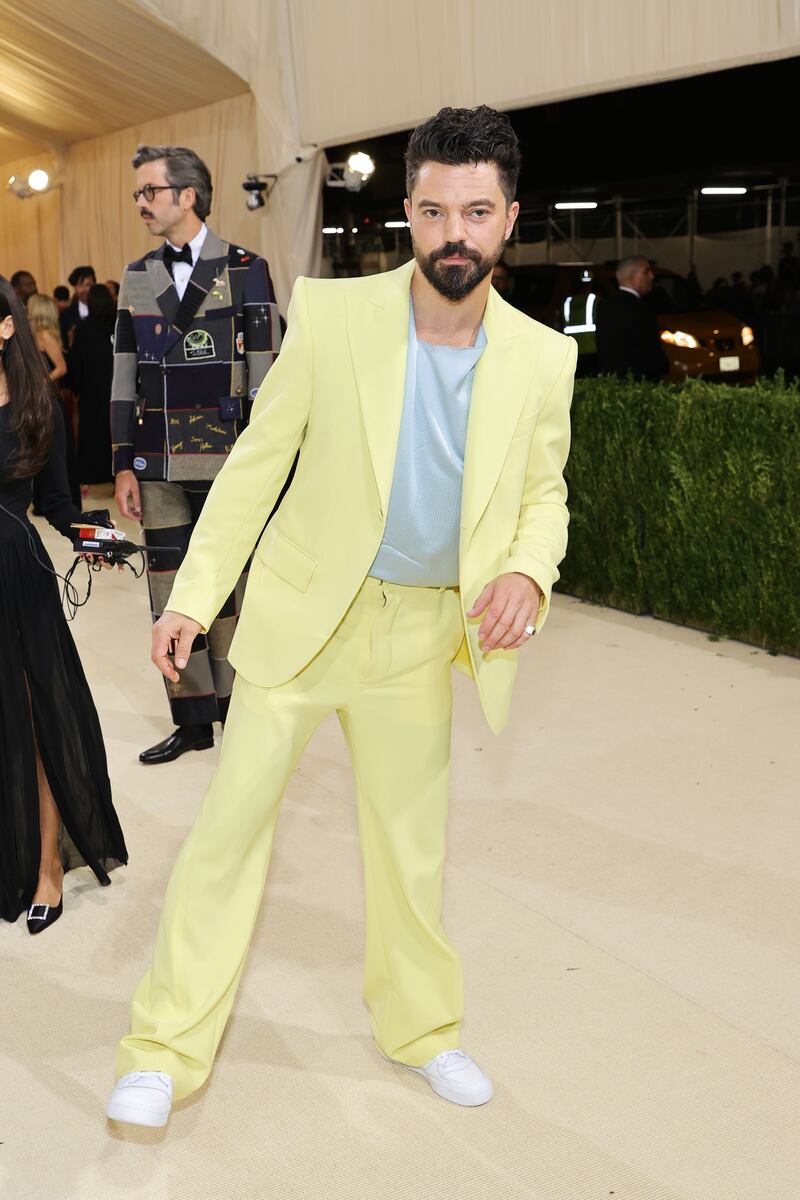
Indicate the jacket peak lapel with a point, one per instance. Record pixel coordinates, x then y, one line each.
162 285
377 329
213 256
501 384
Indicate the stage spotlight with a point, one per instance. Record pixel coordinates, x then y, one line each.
37 181
361 164
353 174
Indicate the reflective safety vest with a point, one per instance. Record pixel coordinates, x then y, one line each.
579 322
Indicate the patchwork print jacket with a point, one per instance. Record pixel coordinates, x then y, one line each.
185 371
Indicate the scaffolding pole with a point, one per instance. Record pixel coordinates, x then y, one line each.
691 221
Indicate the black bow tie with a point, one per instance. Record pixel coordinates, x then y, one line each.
171 255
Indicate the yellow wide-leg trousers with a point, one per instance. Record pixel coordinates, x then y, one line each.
386 672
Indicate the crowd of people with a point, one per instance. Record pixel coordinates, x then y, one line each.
767 290
769 301
74 330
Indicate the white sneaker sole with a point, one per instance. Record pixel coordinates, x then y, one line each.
439 1086
455 1095
133 1114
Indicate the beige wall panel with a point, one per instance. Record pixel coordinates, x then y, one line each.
30 230
13 146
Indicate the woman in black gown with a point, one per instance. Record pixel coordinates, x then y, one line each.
55 798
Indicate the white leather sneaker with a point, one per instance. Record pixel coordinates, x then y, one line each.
453 1075
141 1098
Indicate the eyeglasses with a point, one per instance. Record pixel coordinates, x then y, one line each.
149 191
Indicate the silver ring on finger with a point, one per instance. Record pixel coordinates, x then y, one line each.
530 630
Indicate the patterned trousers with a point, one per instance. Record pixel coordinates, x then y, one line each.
169 514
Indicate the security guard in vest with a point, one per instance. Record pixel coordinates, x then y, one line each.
197 331
580 322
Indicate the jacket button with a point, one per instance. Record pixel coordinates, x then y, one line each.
239 391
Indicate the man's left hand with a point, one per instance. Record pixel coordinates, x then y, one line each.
510 602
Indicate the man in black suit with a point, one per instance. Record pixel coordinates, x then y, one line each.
82 280
628 339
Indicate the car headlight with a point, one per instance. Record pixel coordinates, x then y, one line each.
678 337
748 337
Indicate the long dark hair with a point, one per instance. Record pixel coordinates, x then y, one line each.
29 398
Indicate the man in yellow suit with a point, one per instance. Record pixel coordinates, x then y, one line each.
423 527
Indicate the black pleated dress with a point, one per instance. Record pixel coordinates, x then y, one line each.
38 655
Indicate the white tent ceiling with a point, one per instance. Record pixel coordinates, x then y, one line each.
77 69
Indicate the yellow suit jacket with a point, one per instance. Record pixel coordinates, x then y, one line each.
336 394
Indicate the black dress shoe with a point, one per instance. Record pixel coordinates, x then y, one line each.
42 915
185 737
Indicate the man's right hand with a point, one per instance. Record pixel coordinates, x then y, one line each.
173 633
128 496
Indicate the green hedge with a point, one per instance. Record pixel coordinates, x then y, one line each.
685 504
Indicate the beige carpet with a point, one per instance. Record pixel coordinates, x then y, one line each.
622 881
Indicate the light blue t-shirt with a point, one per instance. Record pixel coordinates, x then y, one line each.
420 541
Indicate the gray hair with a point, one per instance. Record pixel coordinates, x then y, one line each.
184 169
626 266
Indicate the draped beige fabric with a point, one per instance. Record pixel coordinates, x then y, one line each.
368 67
255 38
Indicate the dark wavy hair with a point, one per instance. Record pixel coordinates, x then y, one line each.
30 401
80 273
455 136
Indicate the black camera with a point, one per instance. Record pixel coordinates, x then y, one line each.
255 189
98 538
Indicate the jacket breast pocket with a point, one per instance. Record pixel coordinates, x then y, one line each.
285 559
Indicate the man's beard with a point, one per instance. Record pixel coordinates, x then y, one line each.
453 281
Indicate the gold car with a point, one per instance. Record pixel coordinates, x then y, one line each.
711 343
